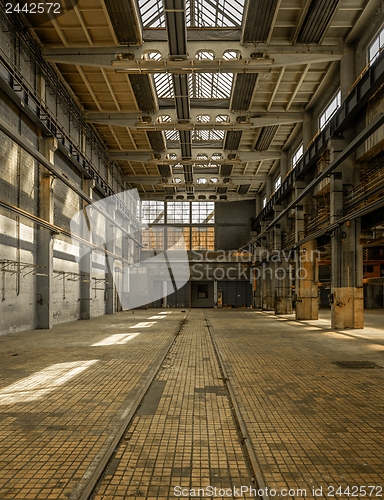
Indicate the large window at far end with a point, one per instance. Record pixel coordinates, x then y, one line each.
330 110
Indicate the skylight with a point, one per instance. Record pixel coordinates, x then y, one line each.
210 85
172 135
218 14
207 135
163 85
199 13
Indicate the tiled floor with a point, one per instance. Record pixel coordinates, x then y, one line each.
64 394
312 423
63 398
184 436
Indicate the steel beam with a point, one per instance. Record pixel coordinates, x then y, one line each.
148 157
237 121
135 59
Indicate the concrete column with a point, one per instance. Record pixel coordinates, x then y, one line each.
44 257
85 266
110 229
126 254
307 130
282 274
268 187
306 279
165 294
347 307
347 71
283 164
258 204
268 270
306 265
215 293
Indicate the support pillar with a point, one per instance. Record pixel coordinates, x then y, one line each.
347 293
126 254
306 265
165 294
347 71
282 271
110 306
44 257
307 302
283 164
85 266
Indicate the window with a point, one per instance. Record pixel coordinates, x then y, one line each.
297 155
264 201
153 238
278 182
175 237
152 212
203 238
203 212
207 135
376 46
177 212
330 110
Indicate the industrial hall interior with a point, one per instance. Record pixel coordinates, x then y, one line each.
191 249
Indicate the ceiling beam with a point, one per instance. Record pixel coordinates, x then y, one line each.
148 157
152 180
130 59
237 121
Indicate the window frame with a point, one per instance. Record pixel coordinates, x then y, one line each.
336 97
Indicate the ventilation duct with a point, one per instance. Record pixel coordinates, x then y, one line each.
316 21
185 144
232 140
188 177
176 28
142 88
226 170
181 92
190 190
266 137
169 190
221 190
156 140
258 20
243 91
125 21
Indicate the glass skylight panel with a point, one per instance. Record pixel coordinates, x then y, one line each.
208 135
214 14
210 85
163 85
152 13
199 13
172 135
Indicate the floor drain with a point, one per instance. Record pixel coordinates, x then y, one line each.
357 365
